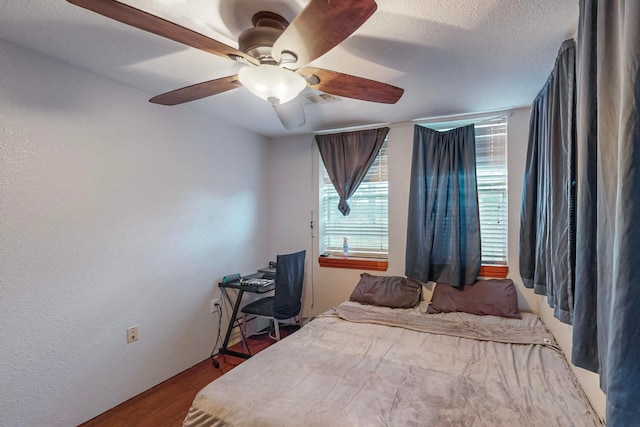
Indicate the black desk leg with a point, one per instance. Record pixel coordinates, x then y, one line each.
232 320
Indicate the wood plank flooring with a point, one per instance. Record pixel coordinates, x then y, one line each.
167 403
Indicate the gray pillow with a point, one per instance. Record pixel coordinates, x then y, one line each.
496 297
387 291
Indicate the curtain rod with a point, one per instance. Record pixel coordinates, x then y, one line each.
436 119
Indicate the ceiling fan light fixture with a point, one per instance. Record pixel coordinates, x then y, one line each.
272 83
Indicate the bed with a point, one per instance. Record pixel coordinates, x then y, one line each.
367 365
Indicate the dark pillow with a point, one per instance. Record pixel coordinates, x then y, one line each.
496 297
387 291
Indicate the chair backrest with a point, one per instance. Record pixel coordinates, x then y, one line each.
289 280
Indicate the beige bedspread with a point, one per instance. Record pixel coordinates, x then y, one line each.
370 366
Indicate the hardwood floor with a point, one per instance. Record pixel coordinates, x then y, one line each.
167 403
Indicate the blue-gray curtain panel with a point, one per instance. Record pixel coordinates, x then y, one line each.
347 157
547 230
606 333
443 230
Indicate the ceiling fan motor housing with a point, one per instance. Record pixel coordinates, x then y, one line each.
257 41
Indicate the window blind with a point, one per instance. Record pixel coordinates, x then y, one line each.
491 170
366 227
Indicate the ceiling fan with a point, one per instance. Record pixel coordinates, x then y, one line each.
274 53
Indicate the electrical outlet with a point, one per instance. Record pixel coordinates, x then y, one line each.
132 334
214 303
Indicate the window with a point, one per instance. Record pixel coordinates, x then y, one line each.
491 170
366 226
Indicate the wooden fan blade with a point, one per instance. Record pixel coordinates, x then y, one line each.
352 87
197 91
319 27
291 113
145 21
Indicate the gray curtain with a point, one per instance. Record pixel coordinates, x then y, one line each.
347 157
547 230
606 333
443 230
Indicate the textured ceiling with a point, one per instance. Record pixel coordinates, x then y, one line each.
451 57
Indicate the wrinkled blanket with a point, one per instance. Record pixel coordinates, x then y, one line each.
498 332
364 366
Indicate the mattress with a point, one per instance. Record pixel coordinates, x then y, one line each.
359 365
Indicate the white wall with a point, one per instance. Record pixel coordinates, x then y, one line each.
297 185
113 212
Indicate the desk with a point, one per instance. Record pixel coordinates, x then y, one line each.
236 306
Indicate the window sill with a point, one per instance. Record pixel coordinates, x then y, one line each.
494 271
354 263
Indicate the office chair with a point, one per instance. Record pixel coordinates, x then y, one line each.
285 303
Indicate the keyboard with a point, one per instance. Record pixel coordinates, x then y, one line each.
257 282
